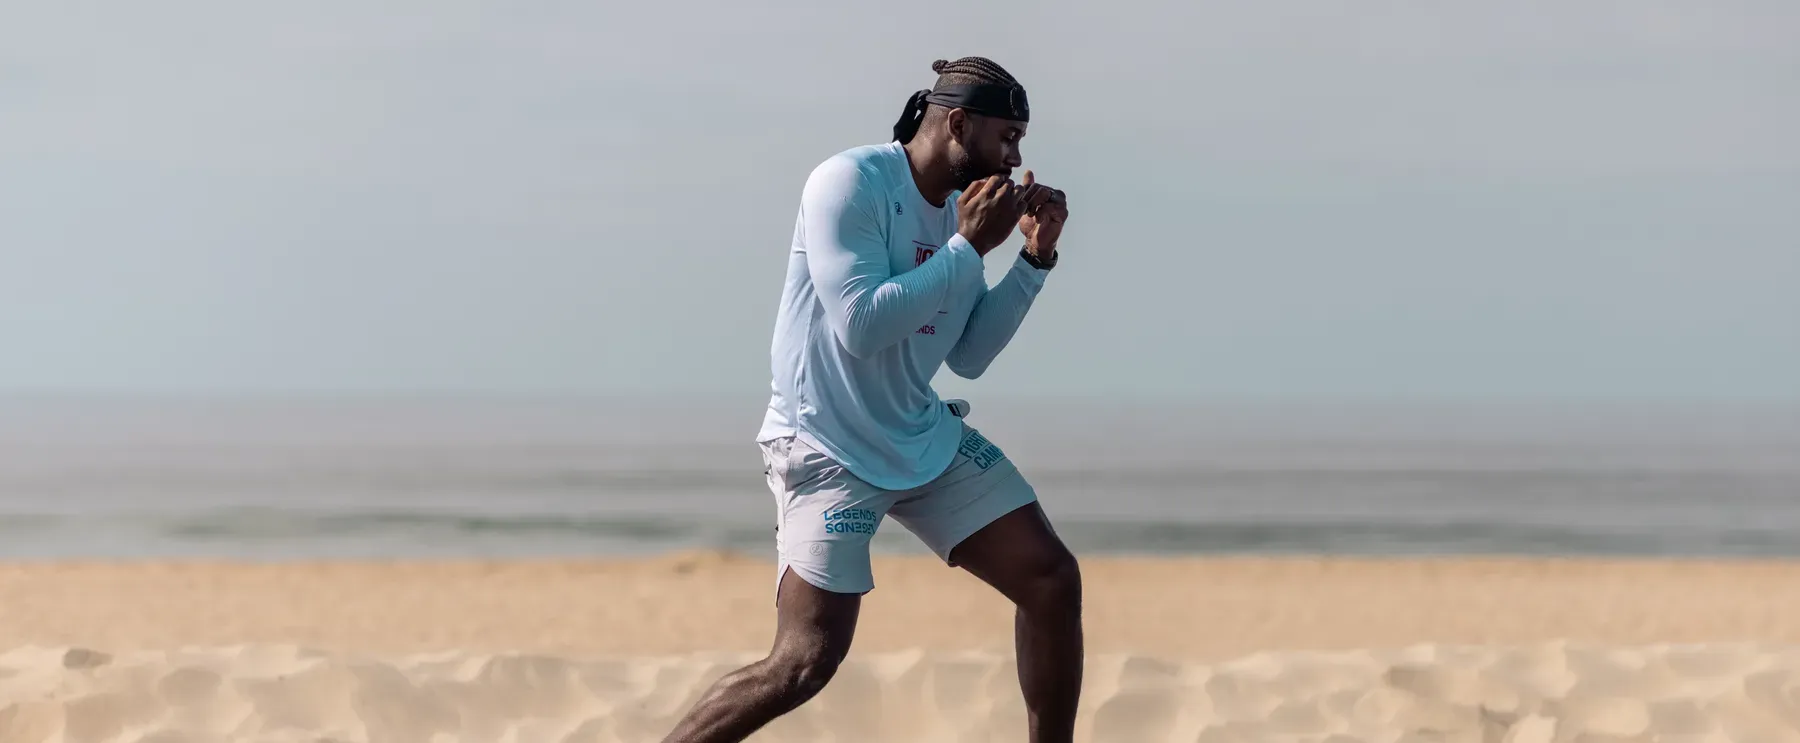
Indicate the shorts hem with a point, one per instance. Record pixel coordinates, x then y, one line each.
817 579
986 509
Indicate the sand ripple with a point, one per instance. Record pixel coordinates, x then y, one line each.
1553 693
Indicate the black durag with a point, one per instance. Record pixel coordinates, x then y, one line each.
999 101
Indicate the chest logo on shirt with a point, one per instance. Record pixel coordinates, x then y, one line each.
897 209
922 252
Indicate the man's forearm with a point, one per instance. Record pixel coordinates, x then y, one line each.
995 319
870 314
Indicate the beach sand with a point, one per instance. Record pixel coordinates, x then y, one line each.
1204 649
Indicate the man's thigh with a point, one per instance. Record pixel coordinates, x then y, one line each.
981 485
825 518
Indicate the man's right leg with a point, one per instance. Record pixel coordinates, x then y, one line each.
827 516
812 635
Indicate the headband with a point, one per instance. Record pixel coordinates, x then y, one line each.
998 101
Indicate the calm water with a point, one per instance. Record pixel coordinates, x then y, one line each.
371 479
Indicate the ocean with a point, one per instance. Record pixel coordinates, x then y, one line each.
375 478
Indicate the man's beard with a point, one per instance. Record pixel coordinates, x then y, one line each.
965 171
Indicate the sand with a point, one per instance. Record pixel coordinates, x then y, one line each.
1501 650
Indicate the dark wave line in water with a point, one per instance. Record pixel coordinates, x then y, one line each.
393 481
273 524
12 523
255 528
466 477
1415 538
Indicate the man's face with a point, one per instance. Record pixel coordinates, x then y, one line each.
985 146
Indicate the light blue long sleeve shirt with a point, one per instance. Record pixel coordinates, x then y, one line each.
880 293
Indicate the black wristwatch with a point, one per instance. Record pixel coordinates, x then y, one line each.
1037 264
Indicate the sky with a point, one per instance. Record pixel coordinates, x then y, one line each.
1283 200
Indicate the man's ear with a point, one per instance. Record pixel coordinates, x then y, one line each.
957 124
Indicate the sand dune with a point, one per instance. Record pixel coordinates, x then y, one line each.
1205 649
1541 693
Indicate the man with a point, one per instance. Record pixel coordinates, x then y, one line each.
884 284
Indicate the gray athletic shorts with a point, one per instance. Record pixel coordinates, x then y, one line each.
826 516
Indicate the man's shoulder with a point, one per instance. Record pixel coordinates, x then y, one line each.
881 155
861 167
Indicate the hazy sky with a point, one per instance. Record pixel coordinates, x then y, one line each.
1300 200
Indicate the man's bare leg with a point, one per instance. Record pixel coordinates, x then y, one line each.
812 636
1019 555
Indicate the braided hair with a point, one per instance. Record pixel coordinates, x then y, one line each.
968 70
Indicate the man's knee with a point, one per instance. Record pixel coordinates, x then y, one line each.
802 672
1053 583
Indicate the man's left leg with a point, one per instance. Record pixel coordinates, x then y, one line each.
1020 556
982 515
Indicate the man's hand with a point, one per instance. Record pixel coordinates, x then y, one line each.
987 212
1041 221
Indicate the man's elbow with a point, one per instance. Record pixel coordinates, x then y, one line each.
859 344
856 346
966 368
